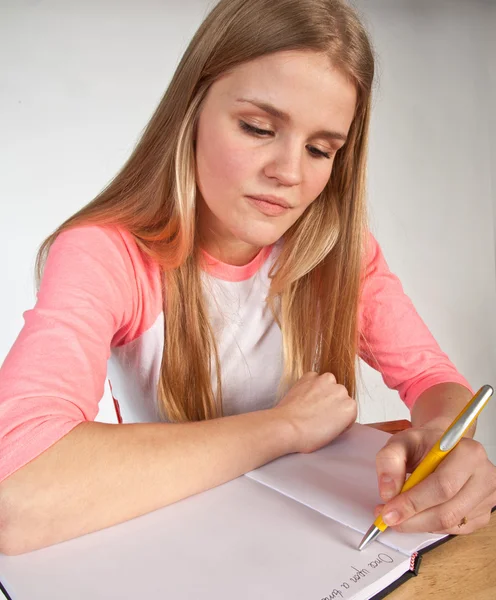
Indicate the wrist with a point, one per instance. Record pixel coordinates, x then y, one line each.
441 424
285 429
439 405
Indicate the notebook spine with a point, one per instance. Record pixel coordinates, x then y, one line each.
415 559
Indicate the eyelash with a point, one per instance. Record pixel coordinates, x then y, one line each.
262 132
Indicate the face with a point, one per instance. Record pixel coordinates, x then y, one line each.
270 127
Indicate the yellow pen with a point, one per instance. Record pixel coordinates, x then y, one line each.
437 453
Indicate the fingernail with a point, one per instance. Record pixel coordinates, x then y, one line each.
387 487
391 518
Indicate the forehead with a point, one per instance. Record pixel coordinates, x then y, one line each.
302 83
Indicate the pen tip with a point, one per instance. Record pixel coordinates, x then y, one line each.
370 536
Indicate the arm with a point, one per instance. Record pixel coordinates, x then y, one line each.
63 475
394 339
457 498
397 343
100 474
438 406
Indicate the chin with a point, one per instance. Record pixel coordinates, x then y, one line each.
259 233
260 238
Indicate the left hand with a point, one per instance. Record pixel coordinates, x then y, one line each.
456 498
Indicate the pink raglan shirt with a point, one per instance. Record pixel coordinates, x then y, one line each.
99 316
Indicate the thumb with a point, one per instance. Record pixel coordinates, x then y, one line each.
402 451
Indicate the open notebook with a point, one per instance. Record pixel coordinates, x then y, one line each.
286 531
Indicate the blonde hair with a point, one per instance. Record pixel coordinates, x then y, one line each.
315 281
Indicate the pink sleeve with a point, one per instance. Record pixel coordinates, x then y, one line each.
54 375
395 341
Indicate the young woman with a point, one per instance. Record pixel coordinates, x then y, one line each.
225 283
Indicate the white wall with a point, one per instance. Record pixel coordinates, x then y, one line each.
491 66
430 179
80 80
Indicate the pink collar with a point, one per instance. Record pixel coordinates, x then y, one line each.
227 272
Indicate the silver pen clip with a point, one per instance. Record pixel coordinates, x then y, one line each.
470 413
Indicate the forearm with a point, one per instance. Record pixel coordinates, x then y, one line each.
439 405
99 474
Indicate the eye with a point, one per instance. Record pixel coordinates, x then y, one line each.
256 130
315 152
318 153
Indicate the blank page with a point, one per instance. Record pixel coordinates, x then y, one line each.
340 482
241 540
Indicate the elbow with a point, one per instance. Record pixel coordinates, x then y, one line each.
13 544
13 549
10 548
14 540
7 541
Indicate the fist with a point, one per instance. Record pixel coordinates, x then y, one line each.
319 409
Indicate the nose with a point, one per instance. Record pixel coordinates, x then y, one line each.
285 164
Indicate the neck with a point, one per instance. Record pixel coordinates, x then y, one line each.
236 253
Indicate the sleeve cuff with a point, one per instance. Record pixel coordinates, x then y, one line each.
420 387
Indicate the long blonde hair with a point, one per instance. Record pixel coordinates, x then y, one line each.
315 281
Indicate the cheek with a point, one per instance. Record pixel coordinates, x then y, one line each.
222 163
316 181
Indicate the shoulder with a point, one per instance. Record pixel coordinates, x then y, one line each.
372 254
107 260
111 244
98 240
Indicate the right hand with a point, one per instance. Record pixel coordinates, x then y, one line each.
319 409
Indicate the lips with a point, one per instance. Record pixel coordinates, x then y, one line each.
270 209
272 200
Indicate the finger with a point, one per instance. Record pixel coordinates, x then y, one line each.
480 511
453 517
472 525
437 489
378 510
441 486
402 450
472 522
465 524
480 515
307 377
328 377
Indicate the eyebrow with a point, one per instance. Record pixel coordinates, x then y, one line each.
283 116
